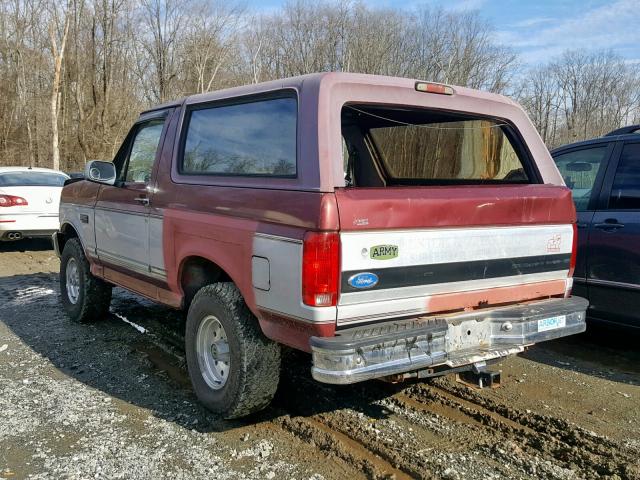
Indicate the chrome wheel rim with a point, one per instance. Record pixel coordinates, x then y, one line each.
73 281
212 349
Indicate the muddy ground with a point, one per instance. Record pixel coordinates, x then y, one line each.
112 400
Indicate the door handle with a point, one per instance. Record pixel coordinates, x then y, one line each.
142 200
609 224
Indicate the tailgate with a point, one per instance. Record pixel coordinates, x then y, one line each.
415 250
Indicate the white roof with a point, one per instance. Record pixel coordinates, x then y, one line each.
28 169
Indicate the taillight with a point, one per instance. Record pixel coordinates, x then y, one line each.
574 251
12 201
320 269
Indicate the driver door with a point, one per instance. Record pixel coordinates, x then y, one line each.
122 210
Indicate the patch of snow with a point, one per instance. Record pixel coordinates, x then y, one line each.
140 328
27 295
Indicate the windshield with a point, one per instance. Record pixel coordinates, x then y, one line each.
32 179
404 146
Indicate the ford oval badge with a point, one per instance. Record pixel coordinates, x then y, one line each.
363 280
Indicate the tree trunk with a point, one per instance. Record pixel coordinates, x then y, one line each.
58 56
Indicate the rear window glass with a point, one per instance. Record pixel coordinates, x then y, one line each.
419 146
31 179
254 138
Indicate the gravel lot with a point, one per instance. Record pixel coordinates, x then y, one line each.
112 400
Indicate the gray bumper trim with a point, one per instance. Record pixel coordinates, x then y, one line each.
362 353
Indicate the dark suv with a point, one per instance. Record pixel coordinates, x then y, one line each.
604 175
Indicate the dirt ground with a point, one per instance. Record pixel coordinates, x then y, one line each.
112 400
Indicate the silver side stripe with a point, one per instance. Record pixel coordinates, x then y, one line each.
132 265
120 210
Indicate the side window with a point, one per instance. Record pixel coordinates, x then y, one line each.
625 192
579 169
253 138
143 152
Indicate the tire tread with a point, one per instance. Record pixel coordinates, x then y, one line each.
260 366
96 295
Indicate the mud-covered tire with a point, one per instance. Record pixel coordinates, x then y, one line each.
92 295
254 360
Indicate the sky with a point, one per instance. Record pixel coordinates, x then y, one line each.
541 29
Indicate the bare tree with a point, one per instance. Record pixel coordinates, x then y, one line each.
432 44
161 24
540 96
58 32
581 95
208 44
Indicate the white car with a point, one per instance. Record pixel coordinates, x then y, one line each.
29 202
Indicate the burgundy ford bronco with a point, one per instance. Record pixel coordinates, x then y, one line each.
393 228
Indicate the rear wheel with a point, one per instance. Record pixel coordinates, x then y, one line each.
233 367
85 298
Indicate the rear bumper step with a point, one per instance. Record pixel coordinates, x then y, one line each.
391 348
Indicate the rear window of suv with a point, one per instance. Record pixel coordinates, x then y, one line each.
411 146
31 179
253 138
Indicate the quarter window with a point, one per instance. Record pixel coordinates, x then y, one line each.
253 138
579 169
625 192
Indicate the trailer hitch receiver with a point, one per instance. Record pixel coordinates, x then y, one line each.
479 377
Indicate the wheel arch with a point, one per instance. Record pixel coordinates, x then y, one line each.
196 271
67 232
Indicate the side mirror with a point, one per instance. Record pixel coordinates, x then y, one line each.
101 172
579 167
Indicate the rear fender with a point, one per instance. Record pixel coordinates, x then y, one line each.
221 240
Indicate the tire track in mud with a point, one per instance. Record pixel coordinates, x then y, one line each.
370 439
340 421
567 445
332 442
420 443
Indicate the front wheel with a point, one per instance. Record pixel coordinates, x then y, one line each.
233 367
85 298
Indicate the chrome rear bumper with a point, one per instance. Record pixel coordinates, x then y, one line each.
391 348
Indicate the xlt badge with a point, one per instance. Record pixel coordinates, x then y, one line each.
383 252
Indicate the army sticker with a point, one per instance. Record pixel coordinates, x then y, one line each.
383 252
